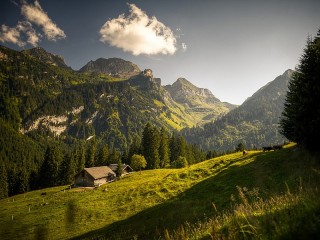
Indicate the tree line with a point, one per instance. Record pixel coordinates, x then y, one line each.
27 165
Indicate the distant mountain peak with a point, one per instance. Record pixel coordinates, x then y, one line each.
183 90
113 66
44 56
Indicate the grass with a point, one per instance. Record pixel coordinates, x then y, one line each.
229 197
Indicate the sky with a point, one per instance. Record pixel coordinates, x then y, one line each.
230 47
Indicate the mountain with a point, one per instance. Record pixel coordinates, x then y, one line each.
254 123
185 92
43 105
199 102
49 58
112 66
40 98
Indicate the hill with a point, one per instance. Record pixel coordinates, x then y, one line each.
259 195
255 123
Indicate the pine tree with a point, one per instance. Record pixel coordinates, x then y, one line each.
91 154
173 145
114 156
4 186
68 168
81 157
49 173
150 146
300 121
119 169
135 148
164 151
103 156
181 147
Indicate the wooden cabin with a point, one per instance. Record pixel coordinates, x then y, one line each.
126 169
94 176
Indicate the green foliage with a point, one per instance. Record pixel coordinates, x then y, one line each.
138 162
4 188
164 151
255 122
68 168
240 147
103 156
91 154
150 146
119 168
300 119
181 162
21 157
50 169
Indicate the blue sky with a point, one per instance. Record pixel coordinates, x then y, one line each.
230 47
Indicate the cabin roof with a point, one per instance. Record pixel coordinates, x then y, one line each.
99 172
114 167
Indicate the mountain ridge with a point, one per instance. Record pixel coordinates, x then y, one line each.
254 123
58 91
116 67
42 55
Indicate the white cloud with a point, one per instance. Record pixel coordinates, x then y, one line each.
24 32
33 36
138 34
16 34
35 14
11 35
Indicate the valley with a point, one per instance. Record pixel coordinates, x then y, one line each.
158 203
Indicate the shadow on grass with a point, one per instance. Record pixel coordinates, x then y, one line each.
271 172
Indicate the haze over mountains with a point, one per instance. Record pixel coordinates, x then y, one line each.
113 100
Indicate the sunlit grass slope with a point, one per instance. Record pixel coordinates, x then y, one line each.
212 198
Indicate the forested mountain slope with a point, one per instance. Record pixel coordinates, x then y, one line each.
255 123
199 102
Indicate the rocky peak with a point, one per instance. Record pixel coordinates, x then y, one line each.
113 66
147 73
46 57
184 91
145 80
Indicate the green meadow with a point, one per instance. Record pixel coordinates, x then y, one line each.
262 195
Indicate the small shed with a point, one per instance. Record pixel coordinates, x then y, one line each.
94 176
126 169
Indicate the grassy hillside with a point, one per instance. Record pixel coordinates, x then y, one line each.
233 196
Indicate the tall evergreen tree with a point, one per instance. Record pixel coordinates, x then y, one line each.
91 154
119 169
114 156
81 157
150 146
135 148
300 120
49 173
23 179
164 151
68 168
181 147
103 156
4 186
173 145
